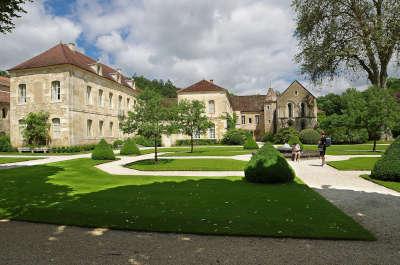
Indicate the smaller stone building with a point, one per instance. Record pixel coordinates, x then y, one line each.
4 105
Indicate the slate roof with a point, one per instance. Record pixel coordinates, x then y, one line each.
62 54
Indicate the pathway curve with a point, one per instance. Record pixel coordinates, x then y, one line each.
42 161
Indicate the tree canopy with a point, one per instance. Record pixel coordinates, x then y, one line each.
338 36
37 128
10 9
165 88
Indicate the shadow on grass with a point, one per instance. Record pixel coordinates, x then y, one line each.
202 206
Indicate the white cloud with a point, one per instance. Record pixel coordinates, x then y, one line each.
35 32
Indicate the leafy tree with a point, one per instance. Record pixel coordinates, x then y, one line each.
191 118
37 128
165 88
337 36
231 121
330 104
10 9
4 73
149 118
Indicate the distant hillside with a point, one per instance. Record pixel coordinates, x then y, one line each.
165 88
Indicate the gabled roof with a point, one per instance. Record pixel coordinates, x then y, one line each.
203 86
5 81
62 54
253 103
297 82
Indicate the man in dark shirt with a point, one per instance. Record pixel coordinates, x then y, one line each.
322 148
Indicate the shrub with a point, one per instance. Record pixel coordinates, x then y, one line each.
343 135
268 137
235 137
268 166
144 141
103 151
250 144
309 136
72 149
295 140
5 144
388 167
284 135
129 148
186 142
117 143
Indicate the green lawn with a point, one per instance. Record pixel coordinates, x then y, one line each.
76 193
355 163
388 184
6 160
354 149
189 165
202 151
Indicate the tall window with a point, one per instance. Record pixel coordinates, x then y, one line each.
89 128
4 113
101 123
22 93
110 100
55 91
243 119
111 128
257 119
88 95
101 101
250 121
56 127
211 107
290 110
303 109
212 132
119 102
128 103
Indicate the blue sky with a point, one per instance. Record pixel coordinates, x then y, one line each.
244 45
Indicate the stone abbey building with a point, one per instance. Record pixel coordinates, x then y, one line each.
83 97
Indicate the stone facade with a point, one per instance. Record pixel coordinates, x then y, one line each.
4 105
86 108
260 114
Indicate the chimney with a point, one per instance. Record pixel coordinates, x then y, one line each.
211 80
72 46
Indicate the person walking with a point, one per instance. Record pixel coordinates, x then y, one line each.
322 148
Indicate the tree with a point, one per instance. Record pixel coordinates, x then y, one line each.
4 73
335 36
231 121
149 118
330 104
10 9
37 128
191 118
165 88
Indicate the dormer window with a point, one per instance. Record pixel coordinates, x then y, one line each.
97 68
116 76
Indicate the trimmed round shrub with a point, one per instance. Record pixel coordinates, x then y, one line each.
295 140
5 144
235 137
268 137
268 166
129 148
283 135
117 143
388 167
309 136
103 151
250 144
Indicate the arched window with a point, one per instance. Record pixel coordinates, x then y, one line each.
211 132
101 125
290 110
56 127
101 101
88 95
89 131
4 113
211 107
55 91
303 109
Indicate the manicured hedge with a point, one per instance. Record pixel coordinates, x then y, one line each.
235 137
268 166
117 143
5 144
295 140
73 149
310 136
103 151
268 137
250 144
129 148
283 135
388 167
144 141
186 142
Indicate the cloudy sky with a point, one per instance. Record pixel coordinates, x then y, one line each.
244 45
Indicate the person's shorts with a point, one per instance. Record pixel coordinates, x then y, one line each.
321 153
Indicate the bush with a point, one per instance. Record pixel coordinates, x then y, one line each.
144 141
309 136
250 144
343 135
295 140
268 166
117 143
186 142
388 167
284 135
73 149
129 148
268 137
5 144
235 137
103 151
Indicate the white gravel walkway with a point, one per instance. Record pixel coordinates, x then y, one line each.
42 161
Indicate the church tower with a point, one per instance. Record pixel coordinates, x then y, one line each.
270 111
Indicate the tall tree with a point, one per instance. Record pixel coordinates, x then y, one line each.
191 119
339 35
37 128
165 88
10 9
149 118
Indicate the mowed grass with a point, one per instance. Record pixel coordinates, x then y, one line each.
388 184
6 160
355 163
76 193
189 165
353 149
201 151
